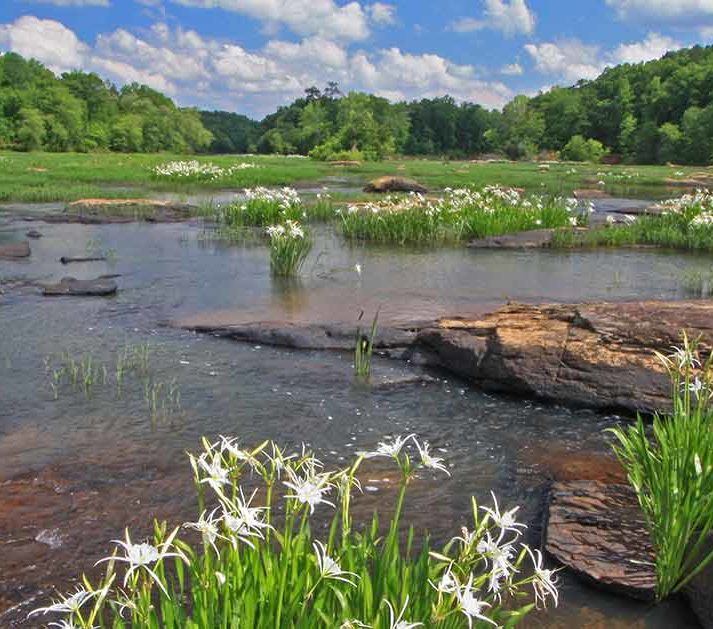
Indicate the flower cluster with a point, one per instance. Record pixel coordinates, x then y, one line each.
196 171
289 229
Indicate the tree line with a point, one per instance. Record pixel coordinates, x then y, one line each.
655 112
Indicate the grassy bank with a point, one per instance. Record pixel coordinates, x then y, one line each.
38 177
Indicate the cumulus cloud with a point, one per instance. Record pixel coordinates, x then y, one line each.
511 17
381 13
512 69
664 11
207 72
571 60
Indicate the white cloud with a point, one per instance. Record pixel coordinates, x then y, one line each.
222 74
571 60
45 40
664 11
512 69
304 17
509 17
381 13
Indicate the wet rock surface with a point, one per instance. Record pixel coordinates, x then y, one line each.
598 356
532 239
106 211
598 531
15 250
395 184
99 287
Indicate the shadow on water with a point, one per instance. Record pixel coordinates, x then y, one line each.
74 471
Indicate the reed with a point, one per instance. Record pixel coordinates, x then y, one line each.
364 348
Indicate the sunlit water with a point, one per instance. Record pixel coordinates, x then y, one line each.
74 471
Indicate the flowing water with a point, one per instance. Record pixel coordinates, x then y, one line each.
74 471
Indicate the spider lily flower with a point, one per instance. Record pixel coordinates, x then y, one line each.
685 358
354 624
244 521
329 568
207 526
505 521
471 606
143 556
429 461
310 489
243 456
216 475
70 604
544 581
499 556
277 460
66 624
447 583
398 622
392 449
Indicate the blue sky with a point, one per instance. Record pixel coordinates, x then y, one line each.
252 55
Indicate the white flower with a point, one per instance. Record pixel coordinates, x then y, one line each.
505 521
545 582
328 567
697 386
310 489
499 556
357 268
70 604
447 583
64 624
244 521
142 556
216 474
398 622
428 461
220 578
392 449
685 358
207 526
354 624
471 606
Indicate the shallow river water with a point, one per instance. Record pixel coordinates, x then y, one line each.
75 470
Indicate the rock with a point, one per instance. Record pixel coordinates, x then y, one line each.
125 210
15 250
98 287
533 239
33 233
557 464
699 593
395 184
598 531
593 355
70 259
590 193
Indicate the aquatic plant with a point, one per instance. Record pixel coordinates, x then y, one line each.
461 213
251 569
671 470
261 207
195 171
364 348
289 247
697 282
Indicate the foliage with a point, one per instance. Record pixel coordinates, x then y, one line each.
232 133
289 248
579 149
261 207
672 471
460 214
255 571
364 348
683 223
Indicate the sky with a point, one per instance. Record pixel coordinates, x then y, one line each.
250 56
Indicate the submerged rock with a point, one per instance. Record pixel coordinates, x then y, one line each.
532 239
99 287
71 259
33 233
15 250
395 184
93 211
598 531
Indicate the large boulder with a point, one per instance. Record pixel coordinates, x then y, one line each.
99 287
395 184
593 355
598 531
14 250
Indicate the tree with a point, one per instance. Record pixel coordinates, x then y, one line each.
31 129
579 149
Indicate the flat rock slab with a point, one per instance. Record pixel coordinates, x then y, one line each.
99 287
598 531
395 184
532 239
94 211
15 250
591 355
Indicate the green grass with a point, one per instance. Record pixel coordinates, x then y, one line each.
460 215
250 568
43 177
671 471
289 247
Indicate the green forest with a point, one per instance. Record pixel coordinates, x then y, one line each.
648 113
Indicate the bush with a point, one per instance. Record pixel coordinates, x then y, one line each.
579 149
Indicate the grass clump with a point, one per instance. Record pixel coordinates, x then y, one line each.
251 569
671 470
684 223
698 283
289 247
460 214
261 207
364 348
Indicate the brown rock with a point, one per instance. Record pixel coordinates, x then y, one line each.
591 193
558 464
593 355
124 210
15 250
598 531
99 287
395 184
